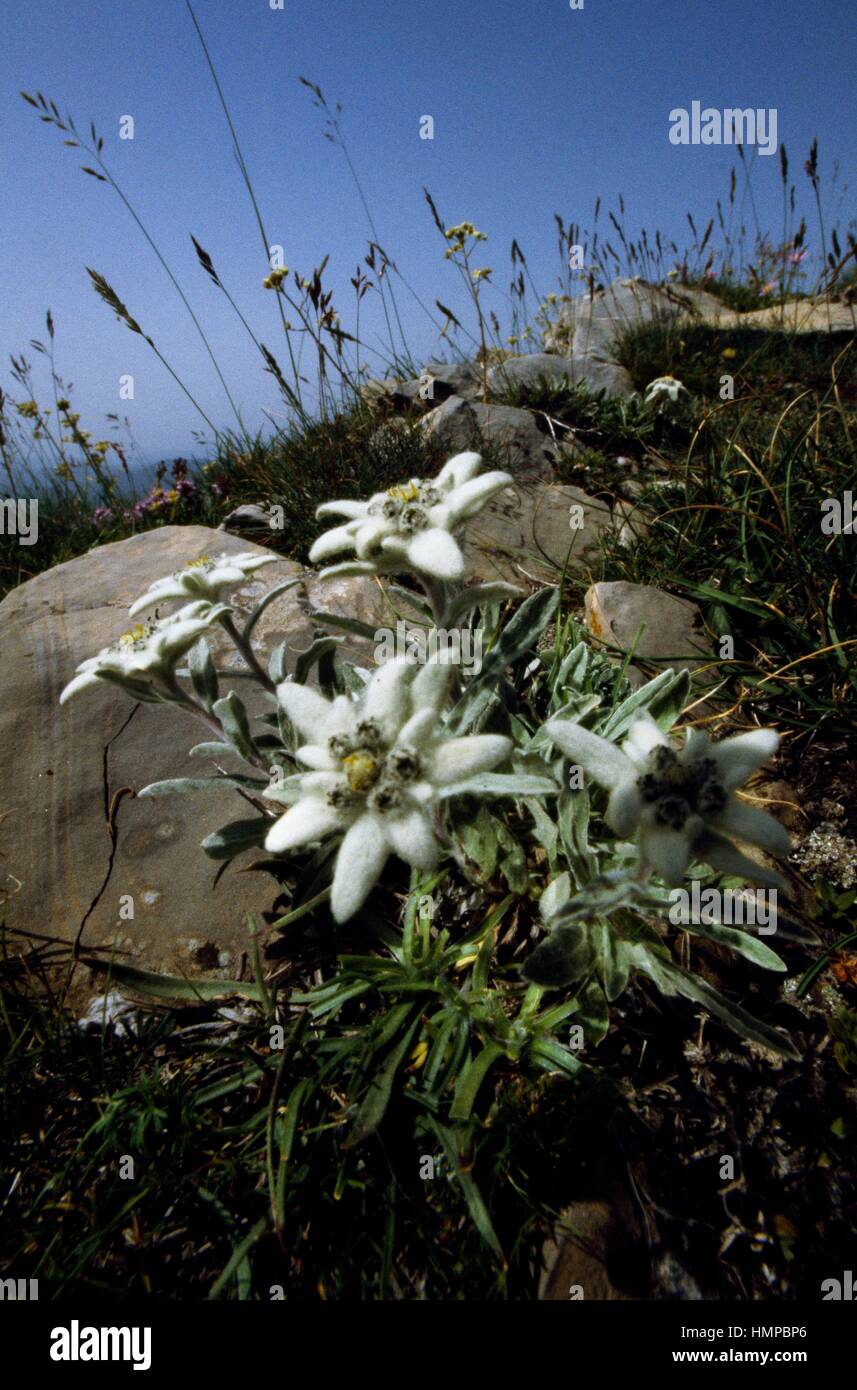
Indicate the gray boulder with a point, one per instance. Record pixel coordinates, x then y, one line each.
76 842
521 447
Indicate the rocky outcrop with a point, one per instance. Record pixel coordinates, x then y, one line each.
589 326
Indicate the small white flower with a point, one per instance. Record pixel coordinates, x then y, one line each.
414 525
378 766
147 652
665 386
209 578
680 805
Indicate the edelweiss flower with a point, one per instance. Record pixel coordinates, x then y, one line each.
412 526
209 578
147 652
379 765
680 805
665 386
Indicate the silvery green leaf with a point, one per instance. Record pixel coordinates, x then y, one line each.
525 761
160 986
577 707
552 1056
354 678
522 631
501 784
277 664
233 716
600 896
210 750
202 674
475 596
413 599
201 784
263 604
478 838
573 816
556 893
314 653
546 830
518 636
512 860
613 959
574 666
561 959
285 792
672 980
138 690
331 674
744 943
239 835
669 702
664 697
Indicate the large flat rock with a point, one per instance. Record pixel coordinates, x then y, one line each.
74 768
528 534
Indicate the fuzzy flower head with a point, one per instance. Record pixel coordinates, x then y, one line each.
680 805
146 652
378 767
413 525
209 578
665 386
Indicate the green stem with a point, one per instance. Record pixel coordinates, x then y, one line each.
248 654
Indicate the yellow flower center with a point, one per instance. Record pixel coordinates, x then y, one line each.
134 635
197 564
361 771
405 492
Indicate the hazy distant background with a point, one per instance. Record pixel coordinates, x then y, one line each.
537 108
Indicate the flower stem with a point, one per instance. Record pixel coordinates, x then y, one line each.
248 654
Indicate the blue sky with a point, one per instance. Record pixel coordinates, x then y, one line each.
537 109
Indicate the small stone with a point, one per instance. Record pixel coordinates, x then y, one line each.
248 519
672 635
